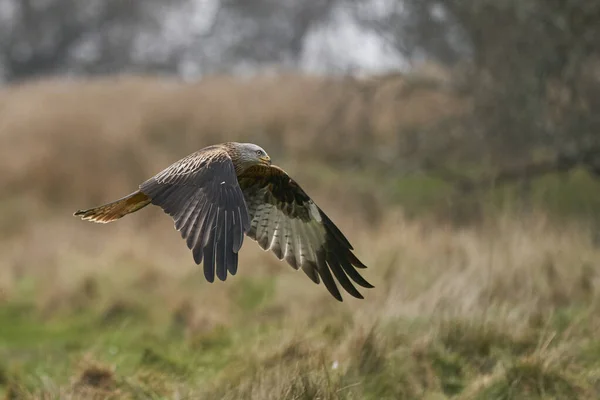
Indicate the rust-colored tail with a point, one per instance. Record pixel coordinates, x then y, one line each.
115 210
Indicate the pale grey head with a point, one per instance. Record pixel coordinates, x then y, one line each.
250 154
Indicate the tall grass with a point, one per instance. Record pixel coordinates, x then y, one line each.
503 309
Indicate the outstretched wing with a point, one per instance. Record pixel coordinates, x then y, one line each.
201 193
287 222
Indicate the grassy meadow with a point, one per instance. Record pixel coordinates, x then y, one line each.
506 306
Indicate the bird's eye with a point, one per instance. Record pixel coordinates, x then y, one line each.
260 153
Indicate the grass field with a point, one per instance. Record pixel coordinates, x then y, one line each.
504 308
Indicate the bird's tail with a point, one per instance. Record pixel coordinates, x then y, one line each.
115 210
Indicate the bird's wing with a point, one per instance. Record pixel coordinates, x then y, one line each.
285 220
202 195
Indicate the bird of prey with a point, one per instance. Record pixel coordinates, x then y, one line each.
219 193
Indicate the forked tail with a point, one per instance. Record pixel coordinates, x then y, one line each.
115 210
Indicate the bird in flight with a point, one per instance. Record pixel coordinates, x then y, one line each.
219 193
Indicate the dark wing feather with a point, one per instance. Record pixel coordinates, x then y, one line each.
287 222
202 195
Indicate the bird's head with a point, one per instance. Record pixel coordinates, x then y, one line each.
251 154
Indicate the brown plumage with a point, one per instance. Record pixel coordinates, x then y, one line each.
218 194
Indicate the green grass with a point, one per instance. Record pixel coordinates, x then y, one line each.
572 195
40 352
113 335
81 354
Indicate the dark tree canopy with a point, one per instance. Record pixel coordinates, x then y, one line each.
74 37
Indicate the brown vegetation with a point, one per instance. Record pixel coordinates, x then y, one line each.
505 309
127 128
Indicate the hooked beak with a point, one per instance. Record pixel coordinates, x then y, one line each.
266 160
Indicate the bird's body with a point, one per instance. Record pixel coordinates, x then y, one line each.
219 193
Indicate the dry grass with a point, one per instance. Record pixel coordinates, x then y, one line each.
507 309
127 128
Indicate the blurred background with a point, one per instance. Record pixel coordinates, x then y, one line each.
455 142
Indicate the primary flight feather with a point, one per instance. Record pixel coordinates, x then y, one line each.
223 192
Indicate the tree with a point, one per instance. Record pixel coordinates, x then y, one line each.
52 37
531 67
69 36
260 32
